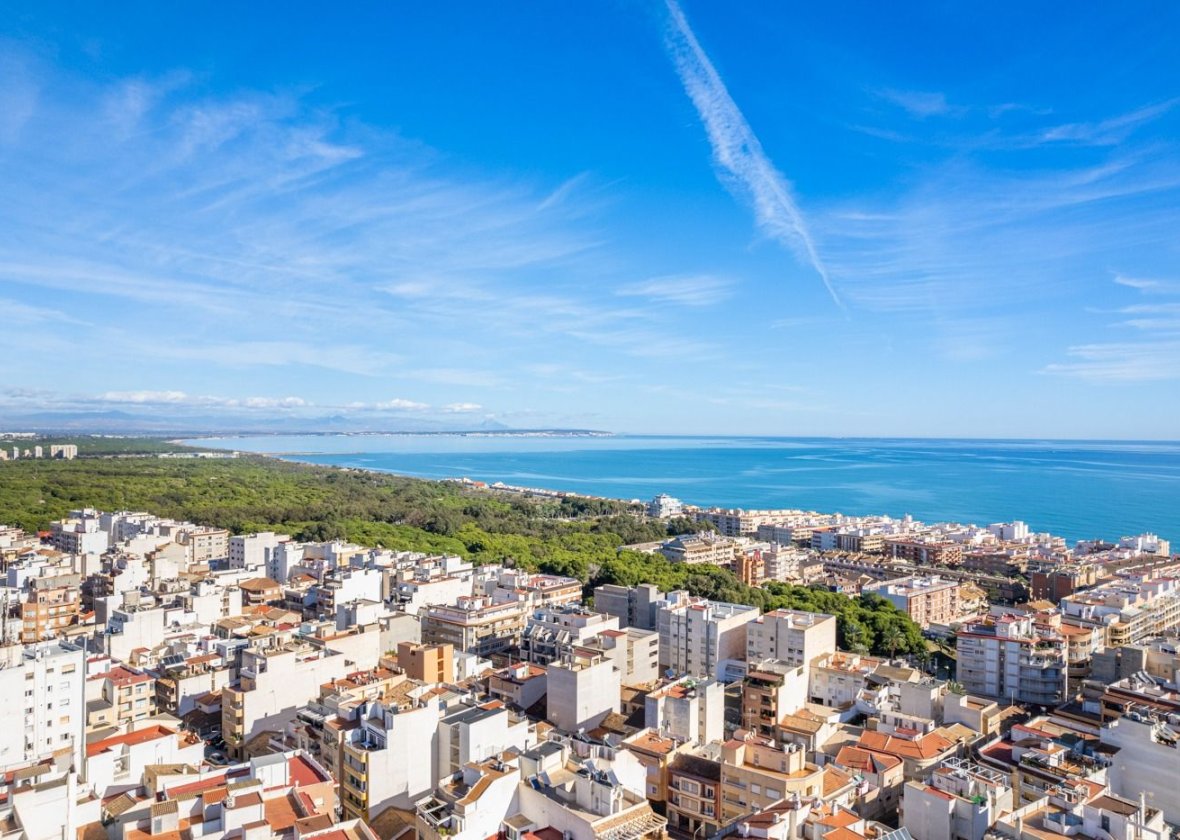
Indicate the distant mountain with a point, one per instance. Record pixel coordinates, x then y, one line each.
121 422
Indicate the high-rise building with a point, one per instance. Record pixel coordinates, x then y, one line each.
699 637
791 636
1011 658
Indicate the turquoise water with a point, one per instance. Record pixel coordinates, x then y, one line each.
1078 489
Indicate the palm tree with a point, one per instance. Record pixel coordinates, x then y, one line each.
892 639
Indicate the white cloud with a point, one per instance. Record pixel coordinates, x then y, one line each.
1116 362
1148 286
461 408
921 104
1108 132
145 397
401 405
704 290
737 150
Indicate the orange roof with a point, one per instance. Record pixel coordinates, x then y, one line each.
122 676
843 834
864 760
280 813
303 772
925 747
840 819
139 736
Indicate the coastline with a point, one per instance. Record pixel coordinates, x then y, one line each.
1114 528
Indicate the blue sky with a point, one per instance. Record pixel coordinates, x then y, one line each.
753 218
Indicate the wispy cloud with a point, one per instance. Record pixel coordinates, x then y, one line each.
1115 362
1153 286
705 290
736 149
920 103
1154 352
165 400
1110 131
255 233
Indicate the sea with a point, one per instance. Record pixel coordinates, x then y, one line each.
1075 489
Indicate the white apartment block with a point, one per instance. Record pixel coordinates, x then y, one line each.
253 551
473 733
389 759
1132 611
635 652
790 636
582 691
960 801
550 632
701 638
44 693
80 533
688 710
742 523
1010 658
707 549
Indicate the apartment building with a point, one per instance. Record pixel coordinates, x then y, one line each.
634 606
924 552
635 652
272 684
694 795
520 685
119 760
791 636
1159 657
687 709
550 632
582 690
1011 658
80 533
959 801
700 549
926 600
472 805
471 733
53 604
702 638
44 690
1131 610
531 590
427 663
581 800
204 544
475 624
770 690
837 679
126 695
253 551
742 523
663 506
388 758
757 773
1148 750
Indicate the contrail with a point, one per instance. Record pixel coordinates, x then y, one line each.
736 149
